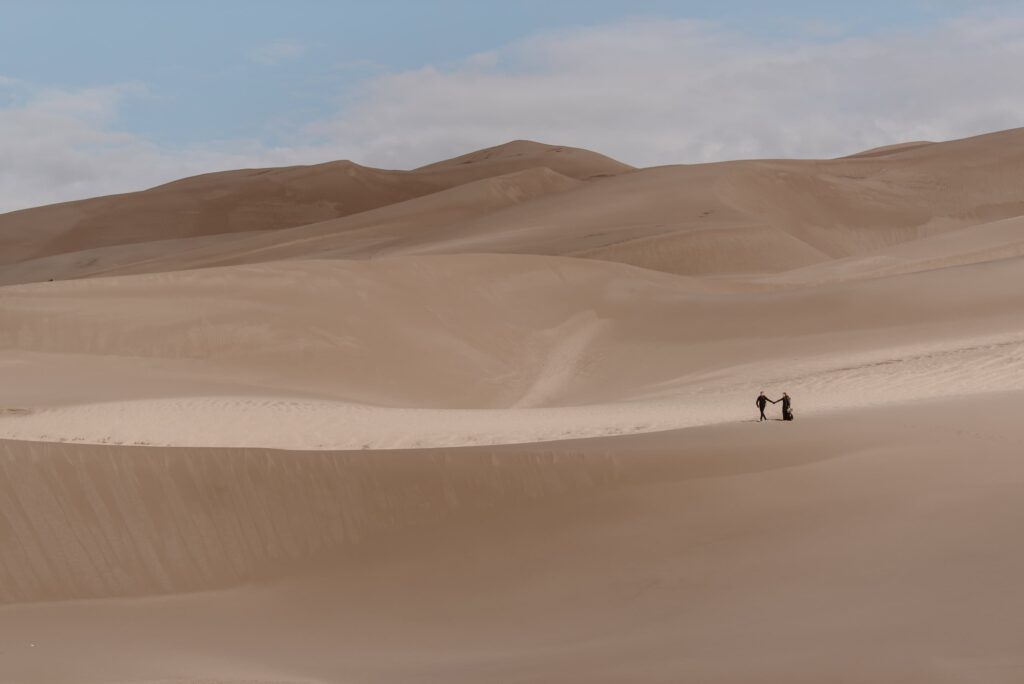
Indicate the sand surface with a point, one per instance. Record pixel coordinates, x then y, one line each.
491 420
870 546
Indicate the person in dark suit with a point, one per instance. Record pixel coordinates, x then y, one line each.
760 403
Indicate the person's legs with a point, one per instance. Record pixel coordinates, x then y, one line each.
763 417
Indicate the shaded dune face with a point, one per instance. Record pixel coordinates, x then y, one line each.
368 233
233 201
79 521
265 199
82 521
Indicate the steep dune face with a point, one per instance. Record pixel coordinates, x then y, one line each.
80 521
743 553
265 199
92 521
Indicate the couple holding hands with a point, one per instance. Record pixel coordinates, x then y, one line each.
787 405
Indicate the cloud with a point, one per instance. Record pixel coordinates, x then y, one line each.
60 144
278 52
654 92
647 92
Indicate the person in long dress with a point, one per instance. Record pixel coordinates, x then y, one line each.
787 406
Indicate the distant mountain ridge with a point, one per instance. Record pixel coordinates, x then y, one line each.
264 199
739 218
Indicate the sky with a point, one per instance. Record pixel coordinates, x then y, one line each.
111 96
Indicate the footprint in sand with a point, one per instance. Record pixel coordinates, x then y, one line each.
15 411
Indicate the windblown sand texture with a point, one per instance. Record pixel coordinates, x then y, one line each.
491 420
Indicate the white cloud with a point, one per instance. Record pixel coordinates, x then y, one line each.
655 92
647 92
278 52
59 144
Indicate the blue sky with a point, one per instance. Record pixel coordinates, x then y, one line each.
187 86
204 80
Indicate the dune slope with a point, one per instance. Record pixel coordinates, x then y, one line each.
416 220
468 349
263 199
740 553
744 217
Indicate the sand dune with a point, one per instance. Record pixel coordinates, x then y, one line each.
520 155
887 150
264 199
739 553
492 420
364 234
974 244
256 199
477 349
730 218
99 521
